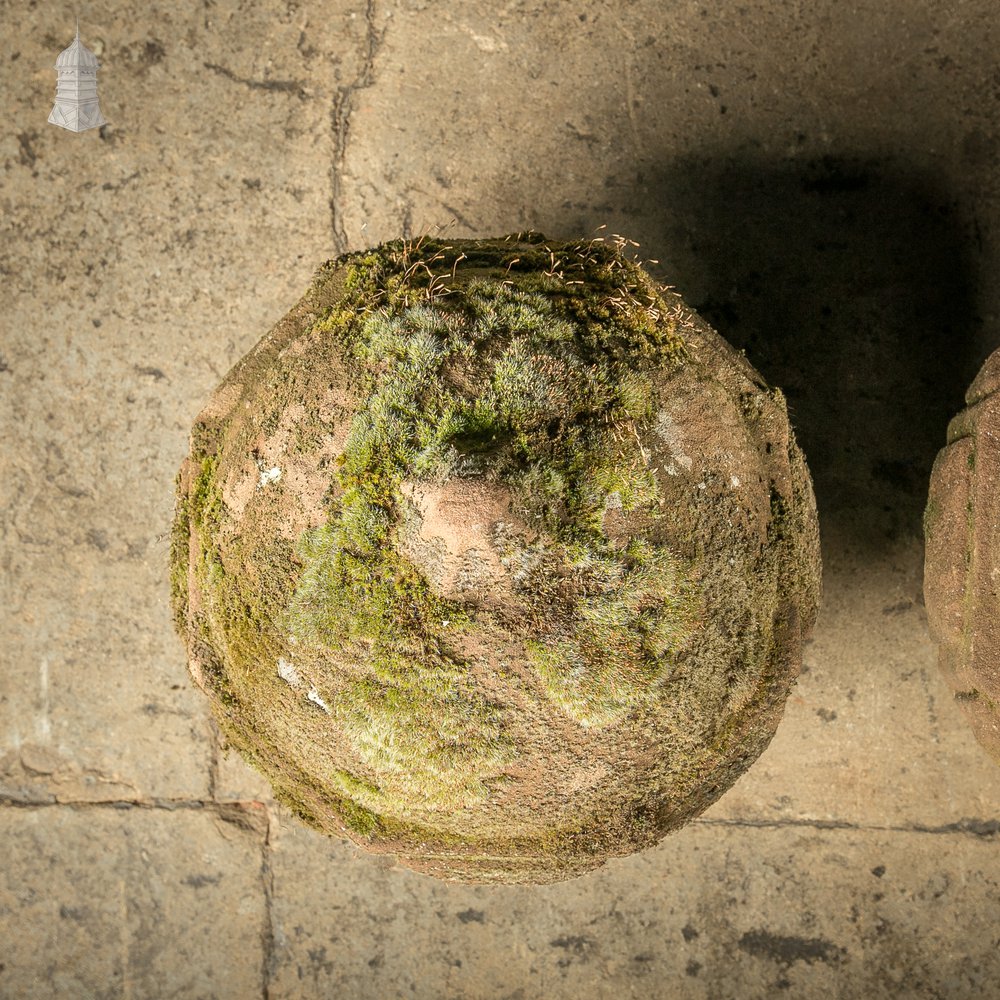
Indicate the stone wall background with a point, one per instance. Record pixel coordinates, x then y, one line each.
820 179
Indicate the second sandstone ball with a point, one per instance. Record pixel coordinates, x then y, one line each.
492 555
962 562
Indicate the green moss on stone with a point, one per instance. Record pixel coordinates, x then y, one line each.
931 515
560 432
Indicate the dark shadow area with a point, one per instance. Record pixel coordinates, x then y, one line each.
851 285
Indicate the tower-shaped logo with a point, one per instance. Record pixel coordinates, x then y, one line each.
76 106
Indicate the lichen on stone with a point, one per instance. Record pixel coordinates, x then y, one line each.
539 555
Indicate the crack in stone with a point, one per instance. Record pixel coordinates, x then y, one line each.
269 958
458 216
254 815
340 121
232 812
109 186
214 762
984 829
289 86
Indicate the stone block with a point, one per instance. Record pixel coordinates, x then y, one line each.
715 910
105 903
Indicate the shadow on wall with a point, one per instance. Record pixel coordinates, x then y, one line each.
851 285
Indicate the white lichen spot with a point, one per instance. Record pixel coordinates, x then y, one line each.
670 434
702 486
268 476
487 43
288 673
734 481
613 501
314 697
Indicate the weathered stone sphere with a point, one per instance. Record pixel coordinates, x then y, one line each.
962 564
493 556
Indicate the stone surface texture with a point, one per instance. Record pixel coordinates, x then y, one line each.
962 567
819 181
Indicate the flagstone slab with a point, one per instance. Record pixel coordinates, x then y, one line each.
103 902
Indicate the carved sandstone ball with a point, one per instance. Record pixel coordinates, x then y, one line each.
962 565
493 556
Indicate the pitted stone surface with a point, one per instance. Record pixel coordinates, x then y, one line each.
962 575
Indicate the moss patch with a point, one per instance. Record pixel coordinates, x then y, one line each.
530 388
